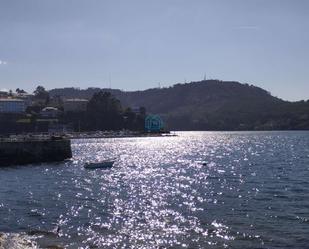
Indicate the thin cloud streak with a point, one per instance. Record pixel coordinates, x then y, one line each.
3 62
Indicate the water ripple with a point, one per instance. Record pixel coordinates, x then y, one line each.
197 190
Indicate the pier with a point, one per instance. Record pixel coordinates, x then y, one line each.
29 150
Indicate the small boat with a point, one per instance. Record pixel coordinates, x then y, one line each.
107 164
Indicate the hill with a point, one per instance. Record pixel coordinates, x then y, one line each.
211 105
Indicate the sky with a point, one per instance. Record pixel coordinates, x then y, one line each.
140 44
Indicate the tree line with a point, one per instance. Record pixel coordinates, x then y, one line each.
105 112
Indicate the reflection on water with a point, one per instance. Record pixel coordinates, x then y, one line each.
197 190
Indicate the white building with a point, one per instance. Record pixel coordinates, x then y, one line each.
49 112
3 94
12 106
25 97
75 105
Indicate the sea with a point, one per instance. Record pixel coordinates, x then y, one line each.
193 190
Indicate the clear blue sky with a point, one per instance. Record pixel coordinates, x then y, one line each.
141 43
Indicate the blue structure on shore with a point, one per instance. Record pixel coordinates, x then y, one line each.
153 123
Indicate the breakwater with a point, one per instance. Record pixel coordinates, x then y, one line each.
17 152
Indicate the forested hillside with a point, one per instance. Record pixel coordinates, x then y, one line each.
211 105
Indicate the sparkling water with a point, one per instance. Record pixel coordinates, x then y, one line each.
196 190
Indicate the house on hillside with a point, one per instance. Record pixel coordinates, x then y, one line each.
27 97
4 94
12 105
49 112
75 105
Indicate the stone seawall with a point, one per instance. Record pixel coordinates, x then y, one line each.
36 151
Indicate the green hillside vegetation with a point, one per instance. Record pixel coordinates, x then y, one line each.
211 105
105 112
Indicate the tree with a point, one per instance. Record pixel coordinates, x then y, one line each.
41 94
40 90
140 119
20 91
129 119
142 111
104 112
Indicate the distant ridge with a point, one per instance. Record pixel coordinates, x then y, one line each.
211 105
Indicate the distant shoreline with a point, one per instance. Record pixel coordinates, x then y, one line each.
80 135
121 136
114 134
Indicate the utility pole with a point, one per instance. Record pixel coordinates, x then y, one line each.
110 81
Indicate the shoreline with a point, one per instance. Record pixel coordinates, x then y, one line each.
100 136
79 135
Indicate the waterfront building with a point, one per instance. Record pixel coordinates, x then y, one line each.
75 105
135 109
138 110
56 101
49 112
3 94
27 97
59 128
153 123
12 106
